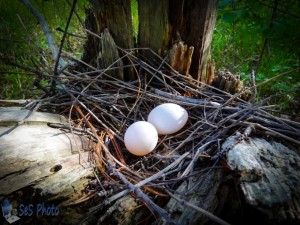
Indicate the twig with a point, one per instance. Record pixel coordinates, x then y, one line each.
253 85
138 192
276 76
143 182
41 20
71 34
67 126
191 164
277 133
193 101
57 60
63 39
239 137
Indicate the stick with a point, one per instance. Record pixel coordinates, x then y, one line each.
193 101
41 20
138 192
63 39
141 183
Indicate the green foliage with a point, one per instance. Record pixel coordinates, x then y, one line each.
243 28
135 18
22 39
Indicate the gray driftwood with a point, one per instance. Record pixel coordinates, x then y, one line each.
36 155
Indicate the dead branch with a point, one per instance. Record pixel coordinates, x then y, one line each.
41 20
160 212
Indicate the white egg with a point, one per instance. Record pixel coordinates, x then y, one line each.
140 138
168 118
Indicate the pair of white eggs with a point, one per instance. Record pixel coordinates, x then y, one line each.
141 137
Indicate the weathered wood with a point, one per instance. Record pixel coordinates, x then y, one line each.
165 23
161 25
270 178
180 57
108 56
116 17
193 22
154 27
202 192
34 155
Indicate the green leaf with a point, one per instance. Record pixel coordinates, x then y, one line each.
280 68
234 16
224 3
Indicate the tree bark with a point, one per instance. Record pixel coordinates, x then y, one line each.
165 23
114 16
193 22
269 177
162 24
154 27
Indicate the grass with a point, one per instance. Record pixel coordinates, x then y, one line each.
237 45
23 40
135 19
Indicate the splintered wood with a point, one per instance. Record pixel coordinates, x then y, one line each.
180 57
108 56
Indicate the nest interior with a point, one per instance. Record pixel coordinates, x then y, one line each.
102 107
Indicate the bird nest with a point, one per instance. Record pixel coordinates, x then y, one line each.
102 107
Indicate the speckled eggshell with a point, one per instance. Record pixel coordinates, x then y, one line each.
168 118
140 138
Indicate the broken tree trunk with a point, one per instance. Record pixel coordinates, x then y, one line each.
167 23
193 21
268 178
162 25
115 16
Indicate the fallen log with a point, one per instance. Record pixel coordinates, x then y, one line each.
50 164
269 177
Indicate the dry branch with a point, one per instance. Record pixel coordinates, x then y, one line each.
41 20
